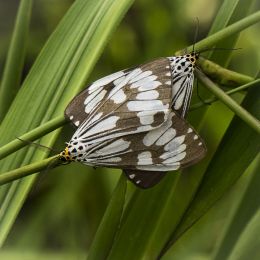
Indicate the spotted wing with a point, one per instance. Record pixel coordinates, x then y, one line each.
172 146
182 68
142 95
182 93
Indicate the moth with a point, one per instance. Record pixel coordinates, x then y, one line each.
134 120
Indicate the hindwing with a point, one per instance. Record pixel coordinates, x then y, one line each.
144 179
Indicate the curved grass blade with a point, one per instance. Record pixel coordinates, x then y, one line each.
110 222
240 141
32 135
156 213
58 73
238 110
248 207
247 246
225 18
15 58
27 170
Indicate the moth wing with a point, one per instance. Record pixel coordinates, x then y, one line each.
182 68
127 94
102 130
181 95
172 146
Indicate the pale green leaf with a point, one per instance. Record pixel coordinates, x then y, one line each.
57 75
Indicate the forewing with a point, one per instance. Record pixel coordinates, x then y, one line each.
102 130
182 70
127 94
172 146
181 94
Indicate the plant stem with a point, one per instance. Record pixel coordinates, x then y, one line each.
238 110
226 32
222 75
28 170
230 92
32 135
15 57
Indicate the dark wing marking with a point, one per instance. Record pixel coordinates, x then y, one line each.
144 179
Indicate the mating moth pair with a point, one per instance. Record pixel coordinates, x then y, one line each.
134 120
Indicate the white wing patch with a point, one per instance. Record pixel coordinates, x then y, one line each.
147 95
173 146
104 81
174 143
115 147
166 136
119 97
93 119
112 160
147 117
104 125
146 105
146 83
142 76
169 154
175 159
92 103
145 158
152 136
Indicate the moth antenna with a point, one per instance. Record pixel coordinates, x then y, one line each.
196 34
36 144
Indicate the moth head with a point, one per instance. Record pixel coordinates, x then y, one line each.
65 156
192 58
75 151
185 64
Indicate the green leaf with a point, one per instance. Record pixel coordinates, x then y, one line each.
237 150
109 225
229 102
28 170
156 213
57 75
248 207
230 12
228 31
247 246
147 217
15 57
32 135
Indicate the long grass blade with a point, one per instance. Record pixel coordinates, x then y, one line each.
58 73
15 58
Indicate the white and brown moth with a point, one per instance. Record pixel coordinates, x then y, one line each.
134 120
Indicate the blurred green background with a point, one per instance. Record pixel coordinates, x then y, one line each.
63 211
